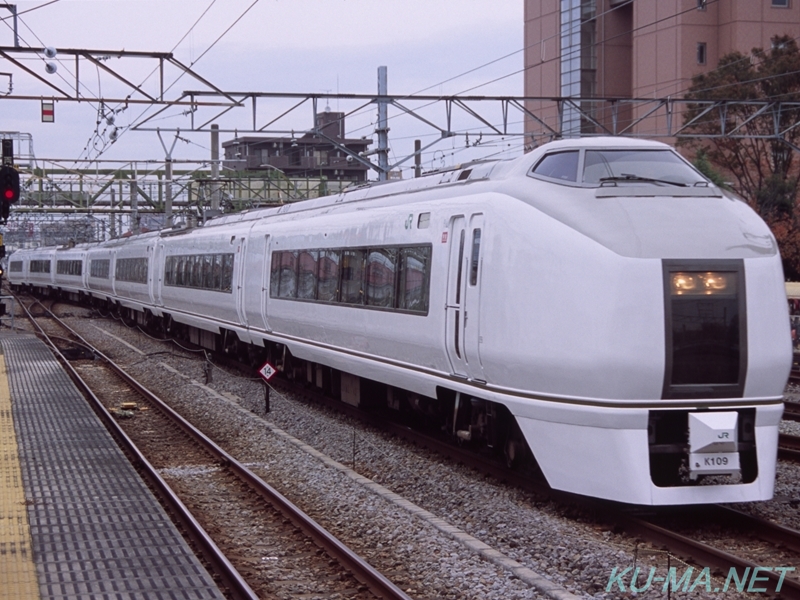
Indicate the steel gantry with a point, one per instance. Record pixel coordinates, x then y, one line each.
432 118
420 123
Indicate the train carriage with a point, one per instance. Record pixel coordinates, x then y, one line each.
99 280
37 269
70 272
596 307
134 275
201 282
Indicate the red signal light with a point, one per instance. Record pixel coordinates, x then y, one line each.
9 189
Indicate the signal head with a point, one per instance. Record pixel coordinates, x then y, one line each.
9 185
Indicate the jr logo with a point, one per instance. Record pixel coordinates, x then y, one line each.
723 436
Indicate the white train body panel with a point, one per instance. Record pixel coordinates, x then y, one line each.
568 310
100 282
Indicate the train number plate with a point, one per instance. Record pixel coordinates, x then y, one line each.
712 463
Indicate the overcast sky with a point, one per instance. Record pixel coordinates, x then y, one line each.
278 46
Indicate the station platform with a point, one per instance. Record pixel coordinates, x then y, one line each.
76 520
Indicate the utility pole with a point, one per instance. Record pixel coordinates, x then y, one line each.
215 167
417 158
134 206
113 214
383 125
168 191
168 178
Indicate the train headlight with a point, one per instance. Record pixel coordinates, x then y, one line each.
683 283
703 284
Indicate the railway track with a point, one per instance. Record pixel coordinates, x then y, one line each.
789 447
730 528
791 411
662 530
665 528
297 549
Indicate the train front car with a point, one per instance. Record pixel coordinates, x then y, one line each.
651 320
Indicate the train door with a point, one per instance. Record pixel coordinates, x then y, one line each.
239 261
472 297
265 275
154 273
85 271
256 282
463 296
113 272
454 318
159 258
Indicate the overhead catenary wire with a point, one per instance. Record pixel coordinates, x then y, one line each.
100 146
30 10
123 130
555 58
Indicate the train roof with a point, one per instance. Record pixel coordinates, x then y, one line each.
463 174
459 175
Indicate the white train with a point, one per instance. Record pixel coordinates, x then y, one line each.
596 305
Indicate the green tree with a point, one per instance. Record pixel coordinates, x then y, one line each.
703 165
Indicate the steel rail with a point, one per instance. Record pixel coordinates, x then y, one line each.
699 552
708 555
791 411
230 577
789 447
758 527
360 568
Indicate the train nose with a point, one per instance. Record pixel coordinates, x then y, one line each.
713 444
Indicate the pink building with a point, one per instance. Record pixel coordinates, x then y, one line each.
635 49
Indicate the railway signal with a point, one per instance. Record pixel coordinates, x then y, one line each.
9 189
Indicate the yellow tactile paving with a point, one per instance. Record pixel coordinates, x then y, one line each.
17 569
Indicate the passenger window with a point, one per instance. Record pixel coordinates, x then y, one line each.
307 280
216 272
288 275
274 275
475 259
413 288
352 277
169 270
328 283
227 272
186 271
560 165
206 284
197 272
381 266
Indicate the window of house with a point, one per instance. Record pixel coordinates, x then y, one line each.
780 3
701 53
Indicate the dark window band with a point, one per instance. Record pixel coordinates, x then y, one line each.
389 277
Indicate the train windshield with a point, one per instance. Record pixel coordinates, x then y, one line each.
658 167
606 167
